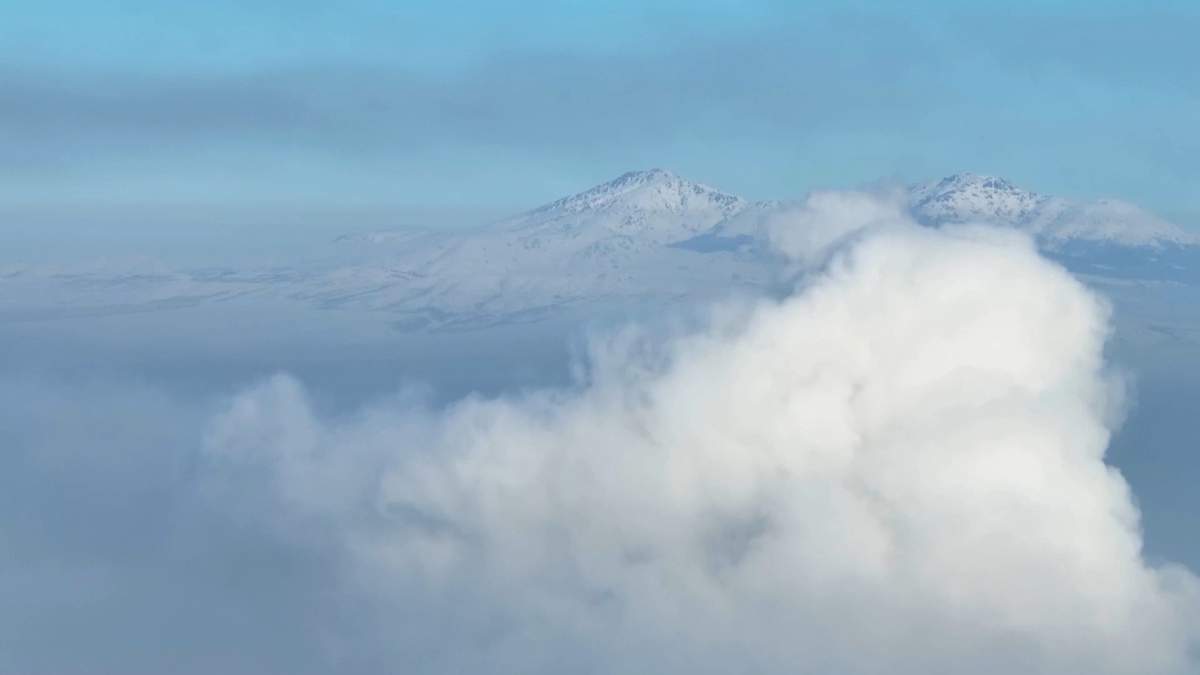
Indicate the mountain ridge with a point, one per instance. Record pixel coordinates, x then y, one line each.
664 208
648 236
673 191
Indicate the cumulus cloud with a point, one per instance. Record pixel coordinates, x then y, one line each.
899 468
808 231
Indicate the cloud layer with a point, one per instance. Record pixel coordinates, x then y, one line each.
898 468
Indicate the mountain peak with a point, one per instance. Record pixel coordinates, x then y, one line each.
967 182
965 197
657 190
971 197
969 179
645 176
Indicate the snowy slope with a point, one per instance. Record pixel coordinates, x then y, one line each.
968 197
656 204
653 234
616 240
646 236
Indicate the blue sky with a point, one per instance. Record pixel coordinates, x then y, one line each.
139 112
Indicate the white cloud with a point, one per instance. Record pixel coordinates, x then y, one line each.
808 231
898 469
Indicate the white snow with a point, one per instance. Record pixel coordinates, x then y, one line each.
646 235
969 197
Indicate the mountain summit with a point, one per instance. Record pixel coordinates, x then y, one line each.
1055 221
653 190
654 207
971 197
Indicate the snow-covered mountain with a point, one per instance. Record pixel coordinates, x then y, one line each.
618 240
653 234
656 205
969 197
645 236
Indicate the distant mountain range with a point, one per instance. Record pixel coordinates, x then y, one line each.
653 233
643 236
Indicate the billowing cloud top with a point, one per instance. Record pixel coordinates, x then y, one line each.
899 468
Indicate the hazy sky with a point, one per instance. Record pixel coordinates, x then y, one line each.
144 114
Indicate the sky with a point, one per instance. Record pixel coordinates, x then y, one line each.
179 119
